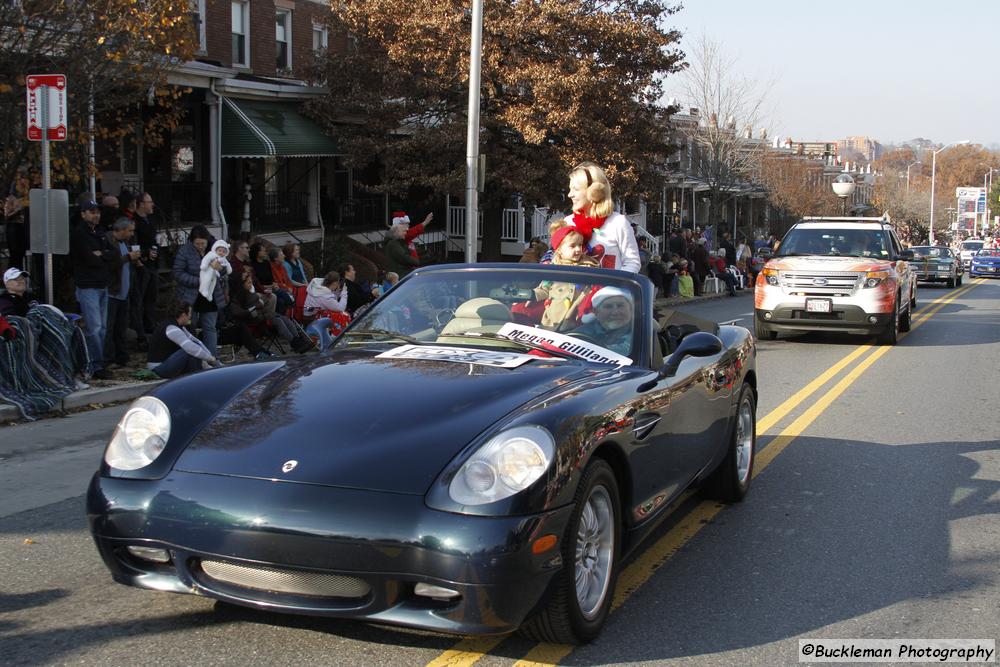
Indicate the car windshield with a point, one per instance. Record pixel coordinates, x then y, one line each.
538 310
932 252
988 253
835 242
972 245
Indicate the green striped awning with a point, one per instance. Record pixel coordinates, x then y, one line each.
255 128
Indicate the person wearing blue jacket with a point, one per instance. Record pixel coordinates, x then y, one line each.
187 275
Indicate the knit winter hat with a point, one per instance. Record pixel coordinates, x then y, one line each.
561 233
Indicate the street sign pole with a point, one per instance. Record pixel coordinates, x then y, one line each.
46 188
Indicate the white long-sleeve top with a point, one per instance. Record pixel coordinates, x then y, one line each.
615 236
187 342
319 297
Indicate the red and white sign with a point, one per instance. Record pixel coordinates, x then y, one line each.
54 85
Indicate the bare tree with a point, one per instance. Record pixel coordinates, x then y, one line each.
725 157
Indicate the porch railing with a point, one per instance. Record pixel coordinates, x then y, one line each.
269 211
512 226
362 212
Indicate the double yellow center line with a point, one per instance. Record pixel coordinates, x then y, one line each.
470 650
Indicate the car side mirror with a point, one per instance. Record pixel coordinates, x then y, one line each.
698 344
906 255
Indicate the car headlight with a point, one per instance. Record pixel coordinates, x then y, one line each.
508 463
771 276
140 436
875 278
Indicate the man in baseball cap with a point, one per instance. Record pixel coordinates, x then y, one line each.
15 300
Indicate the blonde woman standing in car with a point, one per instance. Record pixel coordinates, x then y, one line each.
608 234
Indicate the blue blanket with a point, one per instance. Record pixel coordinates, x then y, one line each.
39 367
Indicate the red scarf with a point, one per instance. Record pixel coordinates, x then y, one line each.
586 224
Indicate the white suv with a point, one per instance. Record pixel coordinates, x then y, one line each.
837 274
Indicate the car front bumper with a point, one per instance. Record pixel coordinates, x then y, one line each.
935 276
381 542
984 271
844 318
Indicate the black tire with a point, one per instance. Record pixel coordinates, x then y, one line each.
890 335
730 481
762 331
913 297
560 618
904 320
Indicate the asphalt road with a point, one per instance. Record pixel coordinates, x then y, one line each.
875 513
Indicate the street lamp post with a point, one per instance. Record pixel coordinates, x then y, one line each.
930 235
843 187
472 165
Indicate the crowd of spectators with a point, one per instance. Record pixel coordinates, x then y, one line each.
250 294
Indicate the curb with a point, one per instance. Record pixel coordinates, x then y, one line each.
79 399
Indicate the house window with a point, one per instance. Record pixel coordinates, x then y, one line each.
197 13
321 38
283 39
241 33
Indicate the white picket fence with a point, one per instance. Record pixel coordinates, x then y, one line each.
512 227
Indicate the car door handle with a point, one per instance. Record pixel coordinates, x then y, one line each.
643 424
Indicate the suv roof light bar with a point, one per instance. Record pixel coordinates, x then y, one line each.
833 218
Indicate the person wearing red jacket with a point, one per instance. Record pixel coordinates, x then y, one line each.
401 218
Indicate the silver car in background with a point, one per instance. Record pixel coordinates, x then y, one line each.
936 264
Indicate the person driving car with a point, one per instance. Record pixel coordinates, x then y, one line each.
610 323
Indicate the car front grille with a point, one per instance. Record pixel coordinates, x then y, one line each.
826 282
295 582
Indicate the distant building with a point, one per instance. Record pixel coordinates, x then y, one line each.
865 147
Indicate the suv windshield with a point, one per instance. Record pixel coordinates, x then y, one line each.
972 245
835 242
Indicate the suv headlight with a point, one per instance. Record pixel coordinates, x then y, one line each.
508 463
875 278
140 436
771 276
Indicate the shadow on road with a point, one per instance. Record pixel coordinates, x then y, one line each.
858 528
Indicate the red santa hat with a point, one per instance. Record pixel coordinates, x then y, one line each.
596 296
399 218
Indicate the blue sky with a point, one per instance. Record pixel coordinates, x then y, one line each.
889 69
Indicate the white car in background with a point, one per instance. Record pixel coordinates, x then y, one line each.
969 248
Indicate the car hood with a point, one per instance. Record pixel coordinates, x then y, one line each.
352 420
986 260
822 263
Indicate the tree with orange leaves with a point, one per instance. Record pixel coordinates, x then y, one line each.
561 82
115 53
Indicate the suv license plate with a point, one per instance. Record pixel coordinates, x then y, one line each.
819 305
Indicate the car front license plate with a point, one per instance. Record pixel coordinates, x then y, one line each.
819 305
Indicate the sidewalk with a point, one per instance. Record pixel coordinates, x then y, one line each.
113 393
